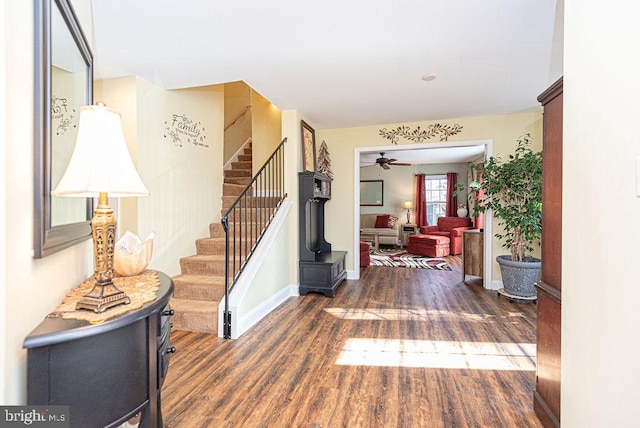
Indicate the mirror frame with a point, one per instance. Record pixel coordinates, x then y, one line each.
48 239
376 186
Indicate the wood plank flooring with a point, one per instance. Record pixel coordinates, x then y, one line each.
399 348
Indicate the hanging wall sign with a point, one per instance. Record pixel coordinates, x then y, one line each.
181 130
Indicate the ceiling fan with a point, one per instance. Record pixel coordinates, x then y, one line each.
385 163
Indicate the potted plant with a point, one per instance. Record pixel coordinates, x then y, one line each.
513 191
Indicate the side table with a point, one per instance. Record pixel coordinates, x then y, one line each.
370 237
472 253
407 229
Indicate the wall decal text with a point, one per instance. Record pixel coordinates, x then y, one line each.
62 116
180 128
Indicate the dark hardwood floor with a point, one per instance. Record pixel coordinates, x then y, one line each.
399 348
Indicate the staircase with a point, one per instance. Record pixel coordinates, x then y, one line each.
200 287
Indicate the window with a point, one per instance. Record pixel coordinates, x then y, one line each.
436 195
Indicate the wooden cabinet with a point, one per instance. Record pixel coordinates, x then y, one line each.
472 253
321 269
547 394
108 372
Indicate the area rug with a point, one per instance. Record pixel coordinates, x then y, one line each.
400 258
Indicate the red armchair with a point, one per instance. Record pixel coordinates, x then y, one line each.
451 227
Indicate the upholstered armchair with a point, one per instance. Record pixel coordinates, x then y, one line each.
451 227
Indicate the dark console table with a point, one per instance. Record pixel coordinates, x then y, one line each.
106 373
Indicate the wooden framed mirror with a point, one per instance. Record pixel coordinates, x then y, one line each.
371 193
63 83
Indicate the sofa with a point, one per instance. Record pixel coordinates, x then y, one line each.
384 226
452 228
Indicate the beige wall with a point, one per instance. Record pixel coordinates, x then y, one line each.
266 129
293 164
600 291
183 173
3 203
340 211
29 288
237 97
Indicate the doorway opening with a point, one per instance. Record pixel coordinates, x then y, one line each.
437 152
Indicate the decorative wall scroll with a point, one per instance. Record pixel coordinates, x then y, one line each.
180 129
420 135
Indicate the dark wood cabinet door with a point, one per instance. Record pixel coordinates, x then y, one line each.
547 394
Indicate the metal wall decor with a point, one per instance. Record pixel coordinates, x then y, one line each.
421 135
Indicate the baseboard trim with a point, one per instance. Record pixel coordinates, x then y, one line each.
543 412
251 318
494 285
352 274
250 272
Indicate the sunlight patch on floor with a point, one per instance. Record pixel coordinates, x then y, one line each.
406 314
438 354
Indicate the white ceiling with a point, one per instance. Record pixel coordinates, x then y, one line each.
438 155
343 63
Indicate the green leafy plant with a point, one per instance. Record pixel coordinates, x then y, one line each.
513 191
471 195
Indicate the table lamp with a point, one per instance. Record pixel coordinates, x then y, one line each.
101 166
407 206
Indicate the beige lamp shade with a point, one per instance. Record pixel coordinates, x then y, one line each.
408 205
100 161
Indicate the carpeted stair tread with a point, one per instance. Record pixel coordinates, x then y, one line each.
254 201
241 165
230 189
208 264
251 214
245 158
244 181
214 246
237 173
199 287
195 315
210 245
217 231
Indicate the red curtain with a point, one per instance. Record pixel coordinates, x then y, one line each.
421 201
452 199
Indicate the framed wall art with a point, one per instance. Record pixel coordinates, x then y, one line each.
308 147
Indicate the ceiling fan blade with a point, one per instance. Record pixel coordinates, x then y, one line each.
399 164
385 166
391 160
366 166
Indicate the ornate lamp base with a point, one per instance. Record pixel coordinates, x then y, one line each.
104 294
102 297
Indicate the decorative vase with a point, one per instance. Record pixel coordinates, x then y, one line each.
519 278
462 211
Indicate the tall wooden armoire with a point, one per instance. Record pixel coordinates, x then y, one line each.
547 394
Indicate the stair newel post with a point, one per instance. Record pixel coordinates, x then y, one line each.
227 315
